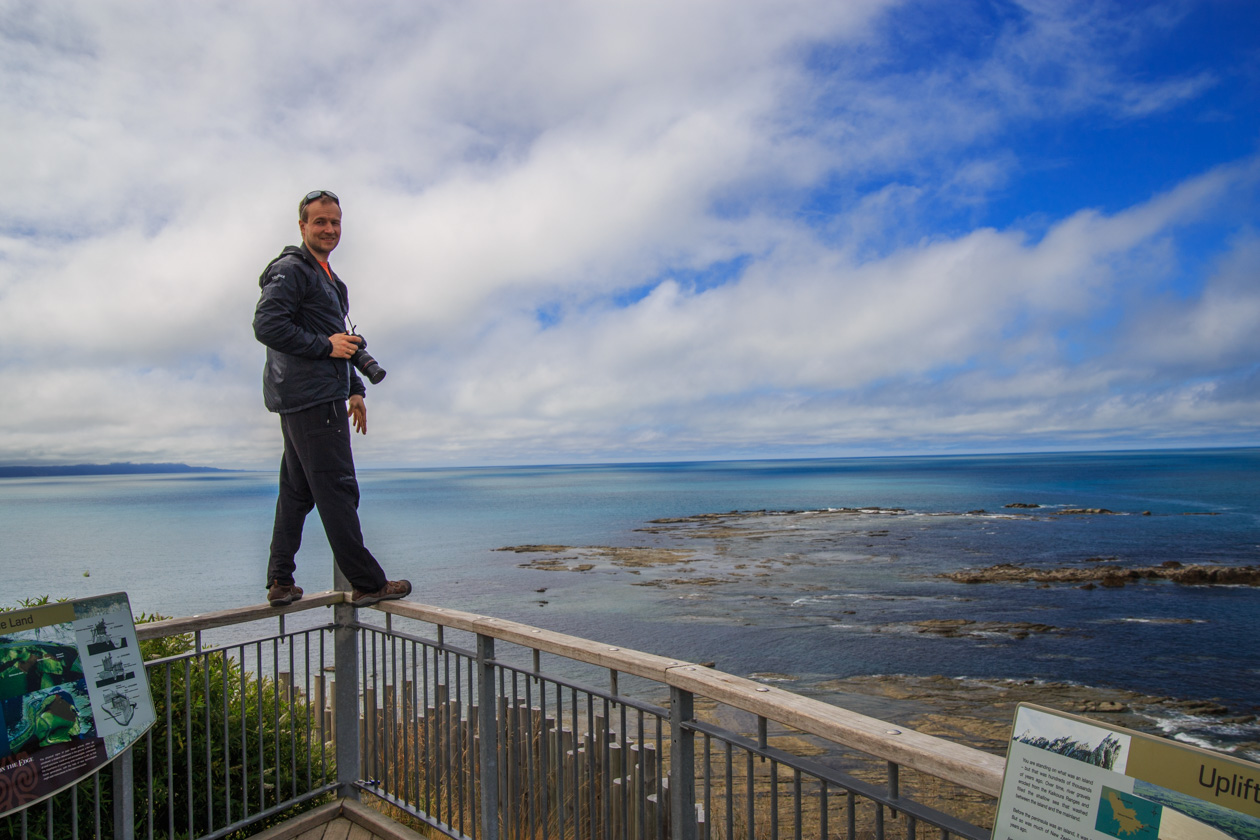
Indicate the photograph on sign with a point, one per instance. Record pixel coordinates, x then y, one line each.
1074 738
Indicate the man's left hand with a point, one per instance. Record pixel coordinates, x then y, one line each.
358 413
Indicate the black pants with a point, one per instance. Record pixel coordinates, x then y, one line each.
317 471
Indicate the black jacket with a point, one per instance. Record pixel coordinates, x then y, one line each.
296 313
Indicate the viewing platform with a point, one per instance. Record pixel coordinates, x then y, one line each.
317 720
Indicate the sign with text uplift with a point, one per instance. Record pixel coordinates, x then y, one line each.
73 694
1071 778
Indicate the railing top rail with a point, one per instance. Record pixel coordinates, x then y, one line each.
237 615
966 766
628 661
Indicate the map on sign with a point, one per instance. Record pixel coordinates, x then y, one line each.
73 694
1127 817
1072 778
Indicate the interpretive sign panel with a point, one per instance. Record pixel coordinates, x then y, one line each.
1072 778
73 693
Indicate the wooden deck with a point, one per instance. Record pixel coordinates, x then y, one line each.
340 820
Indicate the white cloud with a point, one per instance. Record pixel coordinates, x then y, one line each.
1212 332
497 159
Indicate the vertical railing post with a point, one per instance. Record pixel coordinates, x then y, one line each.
124 799
488 737
682 765
346 664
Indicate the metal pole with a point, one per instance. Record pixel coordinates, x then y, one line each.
124 800
346 724
682 765
488 735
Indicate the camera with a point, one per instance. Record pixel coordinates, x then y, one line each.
367 366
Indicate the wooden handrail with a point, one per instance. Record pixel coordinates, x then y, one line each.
929 754
237 615
625 660
965 766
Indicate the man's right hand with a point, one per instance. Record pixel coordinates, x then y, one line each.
344 345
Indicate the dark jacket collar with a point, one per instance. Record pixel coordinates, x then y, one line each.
306 254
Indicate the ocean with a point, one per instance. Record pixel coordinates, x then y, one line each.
828 568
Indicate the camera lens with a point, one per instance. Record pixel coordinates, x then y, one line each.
368 366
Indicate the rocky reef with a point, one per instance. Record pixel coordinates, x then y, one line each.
1110 574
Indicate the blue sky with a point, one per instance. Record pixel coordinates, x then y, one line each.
601 231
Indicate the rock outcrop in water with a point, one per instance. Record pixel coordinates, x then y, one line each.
624 556
955 628
1111 575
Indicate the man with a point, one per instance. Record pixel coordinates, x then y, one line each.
308 380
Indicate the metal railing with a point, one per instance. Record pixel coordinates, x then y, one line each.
476 727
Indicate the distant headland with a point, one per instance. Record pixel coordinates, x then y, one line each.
101 469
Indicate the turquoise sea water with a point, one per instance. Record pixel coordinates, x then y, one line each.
815 596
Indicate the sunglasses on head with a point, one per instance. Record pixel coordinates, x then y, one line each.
316 195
